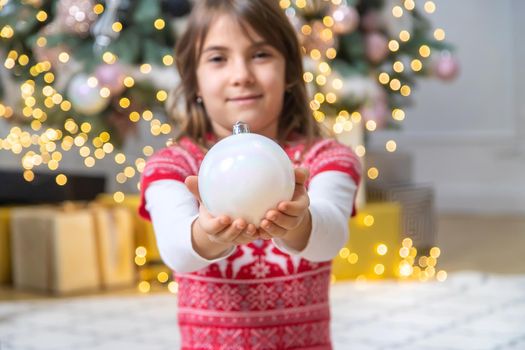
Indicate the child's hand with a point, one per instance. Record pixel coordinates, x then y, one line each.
221 229
288 215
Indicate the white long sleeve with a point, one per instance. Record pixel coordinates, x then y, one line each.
331 197
173 209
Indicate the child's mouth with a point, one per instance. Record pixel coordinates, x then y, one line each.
245 99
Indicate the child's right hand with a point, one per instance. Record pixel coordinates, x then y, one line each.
221 229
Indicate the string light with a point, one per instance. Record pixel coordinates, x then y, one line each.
416 65
398 67
393 45
285 4
41 16
405 90
424 51
173 287
404 35
430 7
439 34
360 150
7 32
331 53
379 269
371 125
159 24
373 173
116 26
368 220
382 249
398 114
308 77
109 57
118 197
144 287
397 11
98 9
306 29
167 60
61 179
145 68
395 84
162 95
391 146
129 82
409 4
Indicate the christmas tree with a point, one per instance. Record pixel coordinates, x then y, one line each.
81 75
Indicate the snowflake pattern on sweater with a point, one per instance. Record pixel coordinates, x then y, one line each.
259 297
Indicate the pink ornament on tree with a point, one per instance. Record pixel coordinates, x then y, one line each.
376 108
76 16
111 76
314 6
376 47
371 21
377 112
297 23
316 40
346 19
45 52
446 66
122 125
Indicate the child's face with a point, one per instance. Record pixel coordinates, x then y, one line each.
240 79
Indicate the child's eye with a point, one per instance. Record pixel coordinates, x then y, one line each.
261 54
216 59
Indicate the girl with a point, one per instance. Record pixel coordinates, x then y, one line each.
249 285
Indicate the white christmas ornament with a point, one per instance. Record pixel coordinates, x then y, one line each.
245 175
84 98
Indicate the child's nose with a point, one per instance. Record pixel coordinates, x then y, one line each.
242 73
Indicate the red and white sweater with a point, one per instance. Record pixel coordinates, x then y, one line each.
261 295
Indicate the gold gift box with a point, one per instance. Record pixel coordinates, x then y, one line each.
54 250
372 251
72 248
115 246
5 246
143 229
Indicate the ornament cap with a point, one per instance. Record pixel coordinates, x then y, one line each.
240 128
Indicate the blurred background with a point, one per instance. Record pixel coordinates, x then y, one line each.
428 93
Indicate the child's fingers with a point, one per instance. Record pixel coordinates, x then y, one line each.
301 175
296 207
192 184
281 219
211 224
230 233
242 239
251 230
248 235
300 193
264 235
272 229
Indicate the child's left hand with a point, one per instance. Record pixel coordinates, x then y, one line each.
288 215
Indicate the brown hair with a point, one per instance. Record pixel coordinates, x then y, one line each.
269 21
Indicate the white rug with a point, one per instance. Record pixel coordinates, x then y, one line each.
468 311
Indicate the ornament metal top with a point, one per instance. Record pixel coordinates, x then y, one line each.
244 175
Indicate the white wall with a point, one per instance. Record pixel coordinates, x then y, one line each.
468 137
